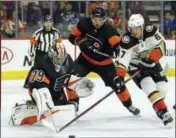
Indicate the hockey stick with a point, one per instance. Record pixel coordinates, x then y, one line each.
95 104
103 98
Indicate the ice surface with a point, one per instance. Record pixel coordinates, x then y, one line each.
108 119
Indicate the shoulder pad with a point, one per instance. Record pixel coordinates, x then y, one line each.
128 41
111 30
82 24
149 30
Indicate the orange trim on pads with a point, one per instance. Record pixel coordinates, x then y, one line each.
33 119
124 96
72 82
76 32
160 105
120 72
155 55
71 94
114 40
99 63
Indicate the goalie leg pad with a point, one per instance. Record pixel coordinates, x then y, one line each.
27 114
43 100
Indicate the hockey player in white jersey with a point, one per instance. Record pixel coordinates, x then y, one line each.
141 48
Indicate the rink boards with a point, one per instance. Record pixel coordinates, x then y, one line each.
15 61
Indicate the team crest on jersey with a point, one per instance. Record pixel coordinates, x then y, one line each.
126 39
149 28
96 45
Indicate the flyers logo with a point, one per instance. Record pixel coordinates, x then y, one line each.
96 45
60 82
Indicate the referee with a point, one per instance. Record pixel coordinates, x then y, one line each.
41 41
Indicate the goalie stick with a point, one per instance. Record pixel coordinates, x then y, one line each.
103 98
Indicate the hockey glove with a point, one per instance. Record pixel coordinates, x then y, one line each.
80 40
119 84
146 65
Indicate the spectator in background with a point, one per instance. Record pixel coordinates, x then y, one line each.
59 7
66 19
169 24
24 4
3 17
10 25
139 9
173 5
9 6
45 5
34 13
72 23
93 4
119 23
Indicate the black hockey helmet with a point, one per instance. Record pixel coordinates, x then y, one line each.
47 18
99 11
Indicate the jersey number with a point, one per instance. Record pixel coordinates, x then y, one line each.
36 75
157 37
123 53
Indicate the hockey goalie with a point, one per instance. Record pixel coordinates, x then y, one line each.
53 89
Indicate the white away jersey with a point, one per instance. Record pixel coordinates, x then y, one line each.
133 49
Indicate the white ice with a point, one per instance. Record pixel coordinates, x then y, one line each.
108 119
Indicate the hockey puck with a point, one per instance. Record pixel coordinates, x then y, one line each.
72 136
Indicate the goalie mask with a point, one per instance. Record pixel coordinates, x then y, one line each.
57 53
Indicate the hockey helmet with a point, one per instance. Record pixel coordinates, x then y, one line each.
47 18
57 53
135 20
99 11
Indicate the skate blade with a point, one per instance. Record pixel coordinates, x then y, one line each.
170 125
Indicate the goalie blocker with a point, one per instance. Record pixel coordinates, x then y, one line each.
53 87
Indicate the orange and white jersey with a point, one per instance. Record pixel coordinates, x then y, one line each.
152 46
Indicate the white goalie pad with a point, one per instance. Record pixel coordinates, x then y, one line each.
43 100
83 86
27 115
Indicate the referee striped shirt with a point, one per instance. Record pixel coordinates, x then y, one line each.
42 40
